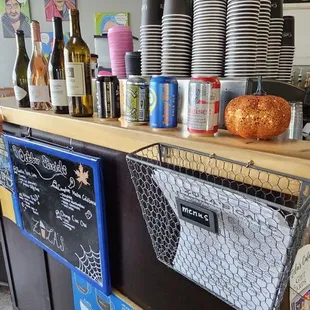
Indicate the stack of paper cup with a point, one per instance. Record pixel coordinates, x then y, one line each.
150 37
241 38
275 38
120 42
287 49
176 38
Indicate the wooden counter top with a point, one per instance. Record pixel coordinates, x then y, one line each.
291 157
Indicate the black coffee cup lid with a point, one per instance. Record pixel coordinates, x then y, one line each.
133 54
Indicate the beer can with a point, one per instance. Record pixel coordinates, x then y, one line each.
108 97
216 84
137 101
163 102
203 108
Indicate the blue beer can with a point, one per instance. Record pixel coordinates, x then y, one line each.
163 102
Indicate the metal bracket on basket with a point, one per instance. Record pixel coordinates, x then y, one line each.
250 164
164 151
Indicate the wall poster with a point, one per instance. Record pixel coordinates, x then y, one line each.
15 15
59 205
48 40
58 8
105 21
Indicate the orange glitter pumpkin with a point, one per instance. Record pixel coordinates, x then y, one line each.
258 116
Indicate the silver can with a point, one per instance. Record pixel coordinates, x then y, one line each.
137 101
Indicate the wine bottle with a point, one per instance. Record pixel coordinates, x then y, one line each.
56 69
78 76
38 81
20 72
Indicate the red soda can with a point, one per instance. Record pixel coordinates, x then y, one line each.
204 105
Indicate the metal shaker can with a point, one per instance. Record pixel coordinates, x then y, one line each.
137 101
203 109
296 125
108 97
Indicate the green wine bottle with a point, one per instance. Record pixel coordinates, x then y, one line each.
20 72
78 75
56 69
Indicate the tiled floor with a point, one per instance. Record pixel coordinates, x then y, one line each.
5 299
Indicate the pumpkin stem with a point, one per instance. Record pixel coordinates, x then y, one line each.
260 91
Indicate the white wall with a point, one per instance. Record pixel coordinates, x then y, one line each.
302 37
87 9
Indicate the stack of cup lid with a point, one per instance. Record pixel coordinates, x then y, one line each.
176 38
241 38
120 41
275 38
150 37
209 32
133 63
263 37
287 49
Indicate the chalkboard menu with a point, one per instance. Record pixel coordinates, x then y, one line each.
59 205
5 171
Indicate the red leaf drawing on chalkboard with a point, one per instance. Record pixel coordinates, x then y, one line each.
82 176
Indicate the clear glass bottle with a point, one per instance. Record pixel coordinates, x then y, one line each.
307 82
38 81
78 71
299 82
19 75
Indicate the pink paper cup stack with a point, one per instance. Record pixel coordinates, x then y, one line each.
120 42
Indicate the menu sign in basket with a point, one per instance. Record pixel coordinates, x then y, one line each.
59 206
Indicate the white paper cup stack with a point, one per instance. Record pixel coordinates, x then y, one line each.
263 37
275 38
241 38
150 45
287 49
150 37
176 38
176 45
208 52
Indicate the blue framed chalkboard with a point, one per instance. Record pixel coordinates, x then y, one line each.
5 171
59 205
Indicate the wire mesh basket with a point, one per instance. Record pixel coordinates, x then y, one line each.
232 228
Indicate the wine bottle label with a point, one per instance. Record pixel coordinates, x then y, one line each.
75 78
20 93
59 93
39 93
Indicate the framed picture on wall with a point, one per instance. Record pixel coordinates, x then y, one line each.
48 40
107 20
58 8
15 15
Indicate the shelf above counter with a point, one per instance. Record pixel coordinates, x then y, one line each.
290 157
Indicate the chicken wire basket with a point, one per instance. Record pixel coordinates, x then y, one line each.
232 228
